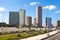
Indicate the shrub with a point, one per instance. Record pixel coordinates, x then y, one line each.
4 33
18 35
0 32
35 33
24 35
42 31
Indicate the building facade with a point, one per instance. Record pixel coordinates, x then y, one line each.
48 22
39 16
14 18
22 17
34 22
29 21
17 18
58 23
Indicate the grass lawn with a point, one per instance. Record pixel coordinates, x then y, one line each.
22 35
9 37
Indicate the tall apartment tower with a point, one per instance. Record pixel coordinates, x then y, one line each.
22 17
29 21
34 22
14 18
48 22
39 16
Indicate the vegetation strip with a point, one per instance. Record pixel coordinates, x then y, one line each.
23 34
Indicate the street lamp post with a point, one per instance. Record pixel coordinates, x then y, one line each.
2 22
47 24
2 11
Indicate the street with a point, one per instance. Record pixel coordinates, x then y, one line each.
55 37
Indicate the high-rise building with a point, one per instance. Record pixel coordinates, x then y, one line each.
58 23
14 18
48 22
39 16
29 21
22 17
17 18
34 22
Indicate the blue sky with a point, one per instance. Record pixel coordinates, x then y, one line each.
50 8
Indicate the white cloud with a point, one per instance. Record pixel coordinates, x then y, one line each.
25 5
33 3
57 11
2 9
49 7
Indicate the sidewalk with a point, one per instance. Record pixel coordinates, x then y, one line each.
39 37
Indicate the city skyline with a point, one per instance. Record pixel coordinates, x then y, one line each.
30 6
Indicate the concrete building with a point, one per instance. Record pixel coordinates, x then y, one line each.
34 22
22 16
14 18
17 18
48 22
29 21
58 23
39 16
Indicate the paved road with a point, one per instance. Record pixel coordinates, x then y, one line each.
55 37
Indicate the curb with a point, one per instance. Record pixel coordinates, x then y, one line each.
49 36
